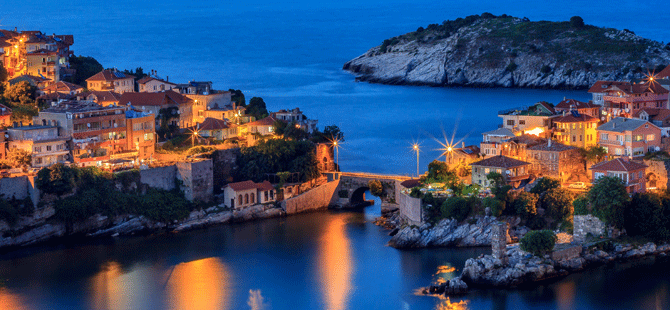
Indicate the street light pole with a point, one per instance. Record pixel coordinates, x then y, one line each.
416 148
337 155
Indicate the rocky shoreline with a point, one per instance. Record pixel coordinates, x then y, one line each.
523 268
126 225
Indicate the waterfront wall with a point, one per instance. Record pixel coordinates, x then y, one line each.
410 209
317 198
587 224
159 177
20 188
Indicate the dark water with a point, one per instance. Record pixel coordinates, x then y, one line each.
324 260
291 54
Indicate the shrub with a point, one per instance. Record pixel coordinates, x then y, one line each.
511 67
645 216
496 206
546 69
525 204
538 242
456 207
536 222
558 203
576 22
376 188
608 198
57 179
545 184
581 205
416 192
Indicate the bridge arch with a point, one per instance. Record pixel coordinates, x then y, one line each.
358 196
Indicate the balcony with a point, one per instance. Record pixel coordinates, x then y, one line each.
611 142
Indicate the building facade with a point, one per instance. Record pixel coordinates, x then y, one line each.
43 143
629 137
111 80
513 171
576 129
630 172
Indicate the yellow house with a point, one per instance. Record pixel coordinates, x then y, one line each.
576 129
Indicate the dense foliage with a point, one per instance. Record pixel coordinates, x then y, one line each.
456 207
544 184
237 97
276 155
257 108
557 203
608 199
11 209
56 179
648 215
330 133
85 67
376 188
525 204
538 242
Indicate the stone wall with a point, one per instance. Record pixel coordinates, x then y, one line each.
223 164
499 241
319 197
410 209
566 253
160 177
587 224
197 179
20 188
657 174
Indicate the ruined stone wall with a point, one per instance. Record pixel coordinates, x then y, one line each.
499 241
587 224
319 197
197 179
160 177
20 188
223 164
657 174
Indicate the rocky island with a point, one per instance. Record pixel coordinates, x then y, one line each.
504 51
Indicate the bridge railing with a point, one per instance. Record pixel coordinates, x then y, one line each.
375 176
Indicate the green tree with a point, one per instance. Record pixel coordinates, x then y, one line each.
85 67
456 207
257 108
57 179
496 206
19 158
3 74
544 184
237 97
499 188
21 93
576 22
376 188
525 204
608 199
438 171
581 205
538 242
557 203
592 154
645 217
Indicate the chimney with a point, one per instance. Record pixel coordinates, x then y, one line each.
463 144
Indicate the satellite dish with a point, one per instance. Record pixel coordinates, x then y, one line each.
657 149
508 172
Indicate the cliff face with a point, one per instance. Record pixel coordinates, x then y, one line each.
505 51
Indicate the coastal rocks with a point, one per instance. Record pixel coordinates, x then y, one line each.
37 234
454 286
446 233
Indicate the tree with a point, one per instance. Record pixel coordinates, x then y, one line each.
18 158
57 179
499 187
538 242
594 154
576 22
438 171
558 204
525 204
608 199
3 74
645 217
257 108
21 93
456 207
85 67
376 188
544 184
237 97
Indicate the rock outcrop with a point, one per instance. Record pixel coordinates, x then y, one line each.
447 232
504 51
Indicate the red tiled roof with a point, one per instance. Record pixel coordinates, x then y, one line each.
500 161
555 147
618 164
664 74
62 86
150 78
153 99
102 95
109 75
655 114
247 185
569 118
268 121
56 96
630 88
601 86
410 183
213 124
547 106
575 104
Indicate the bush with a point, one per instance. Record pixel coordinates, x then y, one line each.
511 67
608 199
648 216
496 206
576 22
545 184
456 207
57 179
581 205
557 203
538 242
525 204
376 188
546 69
536 222
416 192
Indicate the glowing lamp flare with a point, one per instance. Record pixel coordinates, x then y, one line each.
535 131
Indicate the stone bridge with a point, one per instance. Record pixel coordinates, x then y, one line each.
353 186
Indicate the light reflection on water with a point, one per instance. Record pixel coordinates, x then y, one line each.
9 300
335 265
200 284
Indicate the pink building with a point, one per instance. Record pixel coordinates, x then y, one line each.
629 137
630 172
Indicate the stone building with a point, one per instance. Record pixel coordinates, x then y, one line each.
43 143
513 171
554 160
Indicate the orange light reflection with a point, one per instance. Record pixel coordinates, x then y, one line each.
336 266
200 284
114 288
566 292
11 301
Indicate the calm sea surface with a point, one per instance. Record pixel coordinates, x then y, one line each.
291 54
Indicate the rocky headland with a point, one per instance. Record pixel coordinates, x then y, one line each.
505 51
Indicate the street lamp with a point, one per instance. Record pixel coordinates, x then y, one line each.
193 137
336 144
416 148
